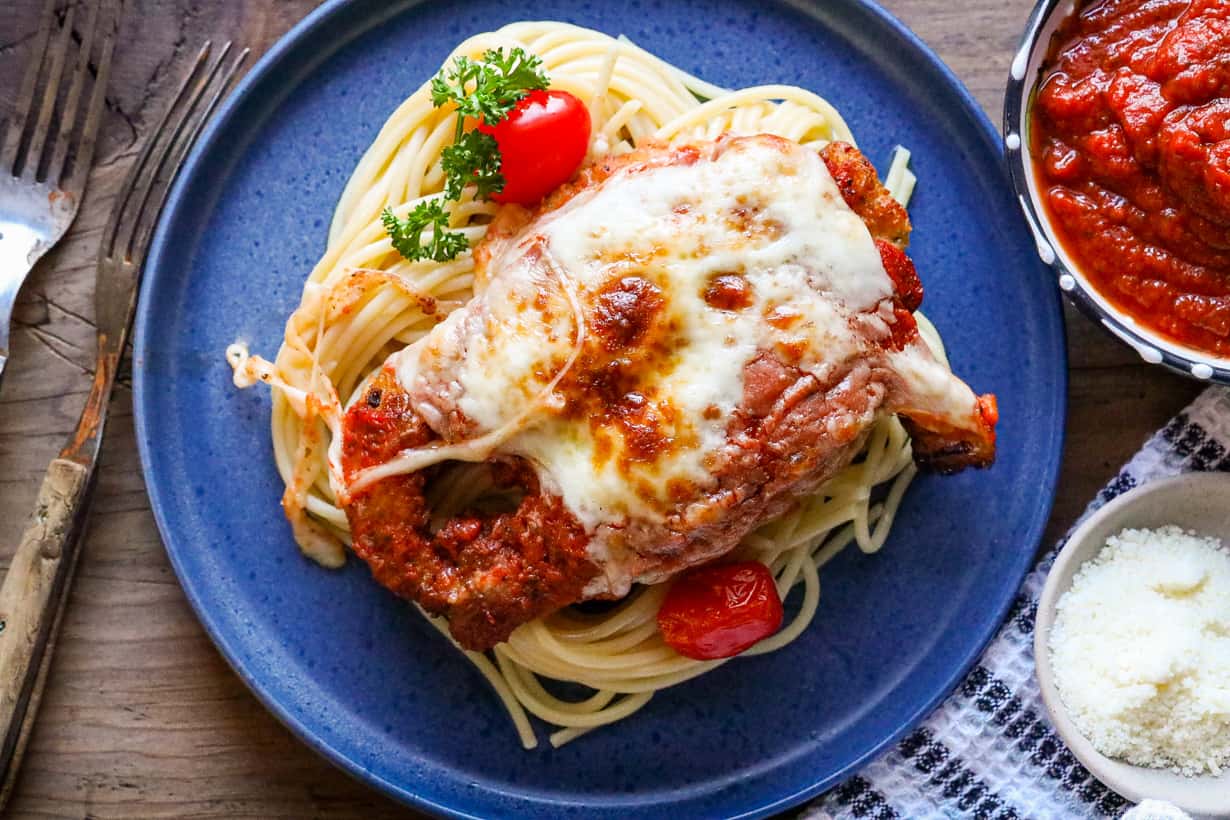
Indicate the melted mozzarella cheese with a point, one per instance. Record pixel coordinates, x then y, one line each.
763 209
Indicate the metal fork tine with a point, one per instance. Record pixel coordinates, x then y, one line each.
25 100
143 233
85 150
146 183
34 153
107 248
69 117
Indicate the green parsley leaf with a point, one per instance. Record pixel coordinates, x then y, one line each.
474 158
488 89
407 234
520 72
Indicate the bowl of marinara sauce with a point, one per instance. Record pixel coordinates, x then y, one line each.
1117 133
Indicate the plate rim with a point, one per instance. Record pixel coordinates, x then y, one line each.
332 12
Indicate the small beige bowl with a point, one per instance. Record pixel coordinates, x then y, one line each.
1195 501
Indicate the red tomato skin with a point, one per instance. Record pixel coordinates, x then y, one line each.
718 611
542 143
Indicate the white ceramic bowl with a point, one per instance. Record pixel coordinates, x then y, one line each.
1026 69
1194 501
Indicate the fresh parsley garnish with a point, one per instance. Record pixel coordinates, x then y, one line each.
488 89
407 234
473 158
483 90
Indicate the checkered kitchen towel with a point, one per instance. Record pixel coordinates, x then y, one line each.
989 751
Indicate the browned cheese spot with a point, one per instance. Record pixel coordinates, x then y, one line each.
728 291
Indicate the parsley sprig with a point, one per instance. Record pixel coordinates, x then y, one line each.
407 234
475 158
483 90
487 90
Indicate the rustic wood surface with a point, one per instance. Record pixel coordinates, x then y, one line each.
141 715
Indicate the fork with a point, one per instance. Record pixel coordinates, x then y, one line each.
35 589
42 181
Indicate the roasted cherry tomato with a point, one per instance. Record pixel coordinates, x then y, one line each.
718 611
542 142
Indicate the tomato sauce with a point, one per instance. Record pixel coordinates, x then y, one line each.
1130 134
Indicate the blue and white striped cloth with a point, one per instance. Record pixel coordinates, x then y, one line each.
989 751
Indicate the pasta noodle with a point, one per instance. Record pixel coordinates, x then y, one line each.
362 301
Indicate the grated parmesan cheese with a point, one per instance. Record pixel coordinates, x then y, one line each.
1141 650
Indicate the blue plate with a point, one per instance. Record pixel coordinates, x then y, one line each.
355 672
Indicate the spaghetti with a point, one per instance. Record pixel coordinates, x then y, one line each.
363 301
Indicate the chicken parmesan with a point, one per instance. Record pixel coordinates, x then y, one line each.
670 351
603 363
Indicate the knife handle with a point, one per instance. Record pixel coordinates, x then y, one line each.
31 602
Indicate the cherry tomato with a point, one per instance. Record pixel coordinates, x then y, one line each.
718 611
907 287
542 142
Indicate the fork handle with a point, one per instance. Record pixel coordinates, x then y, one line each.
31 600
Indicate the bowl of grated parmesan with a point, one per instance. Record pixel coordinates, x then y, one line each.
1132 643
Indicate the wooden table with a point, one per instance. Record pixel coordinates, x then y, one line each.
142 717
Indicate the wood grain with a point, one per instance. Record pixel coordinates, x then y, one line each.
32 604
141 717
